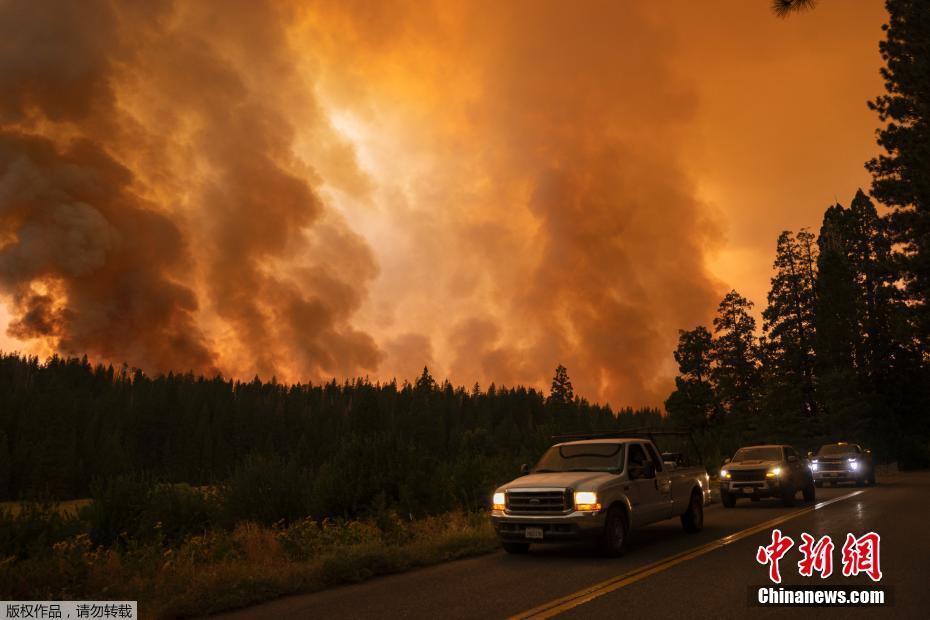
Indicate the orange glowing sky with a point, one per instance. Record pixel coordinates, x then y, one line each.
365 188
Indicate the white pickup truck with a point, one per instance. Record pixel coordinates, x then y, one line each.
597 488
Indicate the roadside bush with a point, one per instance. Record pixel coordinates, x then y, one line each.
136 508
34 529
117 507
175 511
267 490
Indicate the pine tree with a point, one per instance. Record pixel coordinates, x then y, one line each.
425 381
693 403
838 340
561 391
789 325
901 175
735 358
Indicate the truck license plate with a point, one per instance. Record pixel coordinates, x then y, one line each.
534 532
749 490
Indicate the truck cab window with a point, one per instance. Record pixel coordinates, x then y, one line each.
637 457
654 456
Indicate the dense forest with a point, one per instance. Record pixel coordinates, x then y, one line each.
353 447
845 345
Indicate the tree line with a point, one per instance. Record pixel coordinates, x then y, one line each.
356 446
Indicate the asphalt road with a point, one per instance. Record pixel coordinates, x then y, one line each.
709 575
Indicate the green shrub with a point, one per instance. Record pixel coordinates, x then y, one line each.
175 511
117 507
136 508
33 529
267 490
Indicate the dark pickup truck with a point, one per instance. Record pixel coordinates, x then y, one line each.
842 462
755 472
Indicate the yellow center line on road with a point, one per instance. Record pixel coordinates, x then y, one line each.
561 605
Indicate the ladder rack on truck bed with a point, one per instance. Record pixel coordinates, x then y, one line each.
635 433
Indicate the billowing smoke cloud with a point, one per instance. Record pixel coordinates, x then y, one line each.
546 213
151 207
339 189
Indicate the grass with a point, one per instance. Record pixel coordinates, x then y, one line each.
70 507
221 569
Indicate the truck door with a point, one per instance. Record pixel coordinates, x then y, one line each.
798 475
648 505
664 483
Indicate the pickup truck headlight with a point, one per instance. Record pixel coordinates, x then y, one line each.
586 500
814 466
498 502
775 472
853 464
724 474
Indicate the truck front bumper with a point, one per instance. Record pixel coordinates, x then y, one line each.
573 526
832 475
753 488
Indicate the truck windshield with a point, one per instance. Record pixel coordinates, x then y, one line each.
835 450
757 454
607 457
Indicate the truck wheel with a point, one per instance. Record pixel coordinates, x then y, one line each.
872 477
693 518
818 484
860 482
515 547
727 499
616 529
810 494
787 496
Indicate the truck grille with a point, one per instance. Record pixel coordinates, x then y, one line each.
747 475
540 502
840 465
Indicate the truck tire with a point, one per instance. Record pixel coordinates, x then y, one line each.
616 531
810 493
860 481
819 484
872 477
693 518
516 547
787 496
727 499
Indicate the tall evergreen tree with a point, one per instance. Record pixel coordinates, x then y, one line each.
735 358
901 175
838 340
693 403
789 325
561 391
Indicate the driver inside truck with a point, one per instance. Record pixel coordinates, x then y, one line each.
636 461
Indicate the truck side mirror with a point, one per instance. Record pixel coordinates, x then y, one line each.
810 454
524 469
726 460
649 470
